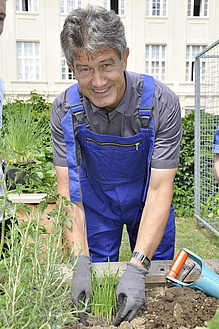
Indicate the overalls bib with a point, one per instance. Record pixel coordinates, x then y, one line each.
114 176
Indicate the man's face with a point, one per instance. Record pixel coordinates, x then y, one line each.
101 78
2 14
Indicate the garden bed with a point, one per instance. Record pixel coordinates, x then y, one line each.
166 308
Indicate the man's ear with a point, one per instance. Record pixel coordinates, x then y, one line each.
70 67
125 58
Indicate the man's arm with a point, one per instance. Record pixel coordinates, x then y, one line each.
75 236
155 213
131 288
216 167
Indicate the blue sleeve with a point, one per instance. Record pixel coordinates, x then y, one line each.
215 147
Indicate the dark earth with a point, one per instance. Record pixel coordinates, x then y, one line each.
165 308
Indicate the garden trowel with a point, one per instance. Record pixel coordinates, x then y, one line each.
208 281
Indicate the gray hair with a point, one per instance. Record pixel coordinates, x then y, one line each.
92 29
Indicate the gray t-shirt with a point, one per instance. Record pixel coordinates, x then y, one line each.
124 121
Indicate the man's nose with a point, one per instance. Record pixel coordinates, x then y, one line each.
98 78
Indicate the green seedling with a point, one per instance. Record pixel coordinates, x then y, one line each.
103 301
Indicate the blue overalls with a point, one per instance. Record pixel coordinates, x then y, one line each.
114 176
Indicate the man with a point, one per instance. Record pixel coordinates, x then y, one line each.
123 130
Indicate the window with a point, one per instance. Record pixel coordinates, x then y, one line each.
155 61
67 74
156 7
198 8
191 52
27 5
117 5
66 6
28 55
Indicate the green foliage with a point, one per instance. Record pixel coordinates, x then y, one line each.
183 196
210 208
23 133
26 141
103 301
34 291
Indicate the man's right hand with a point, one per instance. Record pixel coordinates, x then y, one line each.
81 281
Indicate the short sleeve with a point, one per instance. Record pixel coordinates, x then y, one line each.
168 128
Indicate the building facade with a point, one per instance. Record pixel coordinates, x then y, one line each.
163 36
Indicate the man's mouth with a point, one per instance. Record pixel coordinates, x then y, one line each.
100 91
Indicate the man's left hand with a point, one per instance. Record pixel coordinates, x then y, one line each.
130 293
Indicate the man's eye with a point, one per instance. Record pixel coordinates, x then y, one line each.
85 70
107 67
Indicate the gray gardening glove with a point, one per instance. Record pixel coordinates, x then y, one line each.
81 281
130 293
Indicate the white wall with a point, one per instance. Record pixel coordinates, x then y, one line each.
175 31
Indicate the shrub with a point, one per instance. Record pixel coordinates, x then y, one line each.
34 290
183 193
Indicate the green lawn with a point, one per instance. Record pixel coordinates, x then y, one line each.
199 240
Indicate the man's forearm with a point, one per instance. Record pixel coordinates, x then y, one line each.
154 217
76 236
152 226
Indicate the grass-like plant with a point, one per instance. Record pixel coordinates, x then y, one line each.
103 301
22 134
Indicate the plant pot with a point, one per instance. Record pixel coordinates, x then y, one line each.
18 173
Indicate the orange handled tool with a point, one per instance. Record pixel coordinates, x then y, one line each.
178 263
207 282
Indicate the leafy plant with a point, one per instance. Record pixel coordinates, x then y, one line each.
34 289
183 196
210 208
103 302
26 139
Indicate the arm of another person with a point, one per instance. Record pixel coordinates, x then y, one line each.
155 213
216 167
76 236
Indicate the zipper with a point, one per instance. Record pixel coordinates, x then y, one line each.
114 144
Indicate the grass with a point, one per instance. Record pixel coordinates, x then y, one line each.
103 302
199 240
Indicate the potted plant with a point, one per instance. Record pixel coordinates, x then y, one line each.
25 141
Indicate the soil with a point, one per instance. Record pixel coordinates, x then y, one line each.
165 308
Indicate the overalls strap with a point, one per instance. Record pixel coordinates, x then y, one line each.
146 101
76 106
